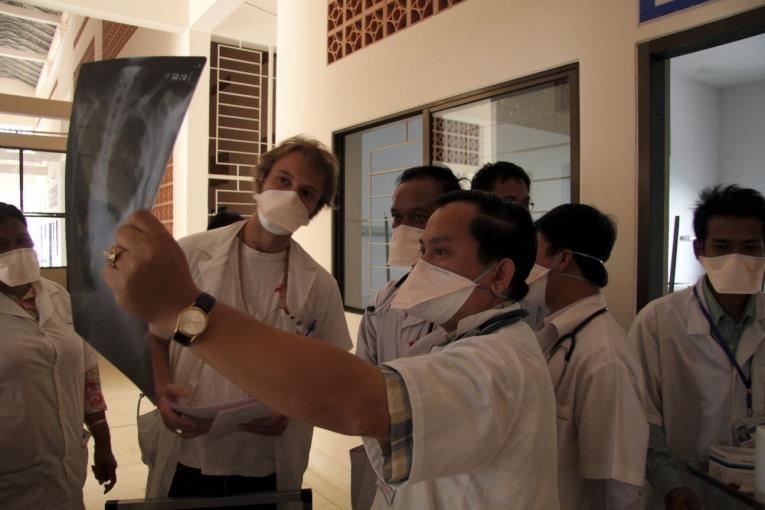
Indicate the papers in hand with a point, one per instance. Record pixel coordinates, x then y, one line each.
226 416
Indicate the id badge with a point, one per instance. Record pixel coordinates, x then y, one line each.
743 429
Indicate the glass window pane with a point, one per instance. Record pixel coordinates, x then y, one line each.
373 160
529 127
50 240
10 184
44 181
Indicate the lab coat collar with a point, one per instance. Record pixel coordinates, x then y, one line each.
43 301
753 335
438 337
566 319
302 268
9 307
43 294
475 320
697 323
217 249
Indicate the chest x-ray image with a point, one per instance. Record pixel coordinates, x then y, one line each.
125 118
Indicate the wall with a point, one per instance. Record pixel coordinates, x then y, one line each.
693 162
742 135
472 45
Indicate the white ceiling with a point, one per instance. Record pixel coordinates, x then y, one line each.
726 65
253 22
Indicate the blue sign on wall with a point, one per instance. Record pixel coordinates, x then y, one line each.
652 9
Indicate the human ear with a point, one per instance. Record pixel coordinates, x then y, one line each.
698 248
503 276
567 257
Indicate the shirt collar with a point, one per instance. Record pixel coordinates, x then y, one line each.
566 319
475 320
716 311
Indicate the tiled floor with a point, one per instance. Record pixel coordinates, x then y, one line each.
121 397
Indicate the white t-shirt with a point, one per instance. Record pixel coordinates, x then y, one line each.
260 276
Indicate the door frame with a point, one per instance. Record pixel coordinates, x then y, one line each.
653 136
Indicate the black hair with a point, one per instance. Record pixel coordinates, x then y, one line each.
223 218
442 174
731 200
9 211
490 174
503 230
582 228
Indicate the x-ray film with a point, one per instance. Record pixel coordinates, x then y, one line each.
125 118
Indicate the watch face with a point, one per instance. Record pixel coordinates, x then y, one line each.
192 321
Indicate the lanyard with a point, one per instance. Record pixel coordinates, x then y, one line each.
717 336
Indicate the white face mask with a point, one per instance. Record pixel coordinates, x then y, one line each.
735 273
18 267
405 246
537 282
434 294
281 212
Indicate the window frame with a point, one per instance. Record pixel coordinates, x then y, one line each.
568 72
33 214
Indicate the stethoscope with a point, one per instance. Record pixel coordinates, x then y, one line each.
371 309
558 345
714 332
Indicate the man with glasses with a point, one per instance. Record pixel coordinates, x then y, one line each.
507 180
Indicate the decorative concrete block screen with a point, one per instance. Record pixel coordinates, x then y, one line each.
356 24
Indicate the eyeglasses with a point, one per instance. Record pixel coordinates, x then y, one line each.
528 206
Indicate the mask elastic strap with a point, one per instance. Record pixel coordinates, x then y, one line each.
585 255
477 278
484 289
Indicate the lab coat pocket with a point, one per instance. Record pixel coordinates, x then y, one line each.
149 426
24 488
18 446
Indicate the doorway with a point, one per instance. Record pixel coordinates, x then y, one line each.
701 112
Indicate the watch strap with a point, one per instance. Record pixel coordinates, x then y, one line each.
205 303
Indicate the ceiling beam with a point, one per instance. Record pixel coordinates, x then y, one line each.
6 51
35 142
35 107
164 15
30 15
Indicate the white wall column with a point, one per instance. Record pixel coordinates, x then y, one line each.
191 149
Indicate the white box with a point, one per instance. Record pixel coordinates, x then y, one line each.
732 465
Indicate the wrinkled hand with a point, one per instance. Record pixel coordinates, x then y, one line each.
177 423
274 425
150 277
682 498
105 467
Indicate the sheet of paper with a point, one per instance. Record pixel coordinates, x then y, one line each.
209 412
228 420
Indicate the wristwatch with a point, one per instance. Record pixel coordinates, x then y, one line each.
192 321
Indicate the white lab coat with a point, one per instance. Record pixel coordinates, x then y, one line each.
483 415
388 333
693 390
312 294
43 447
602 427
